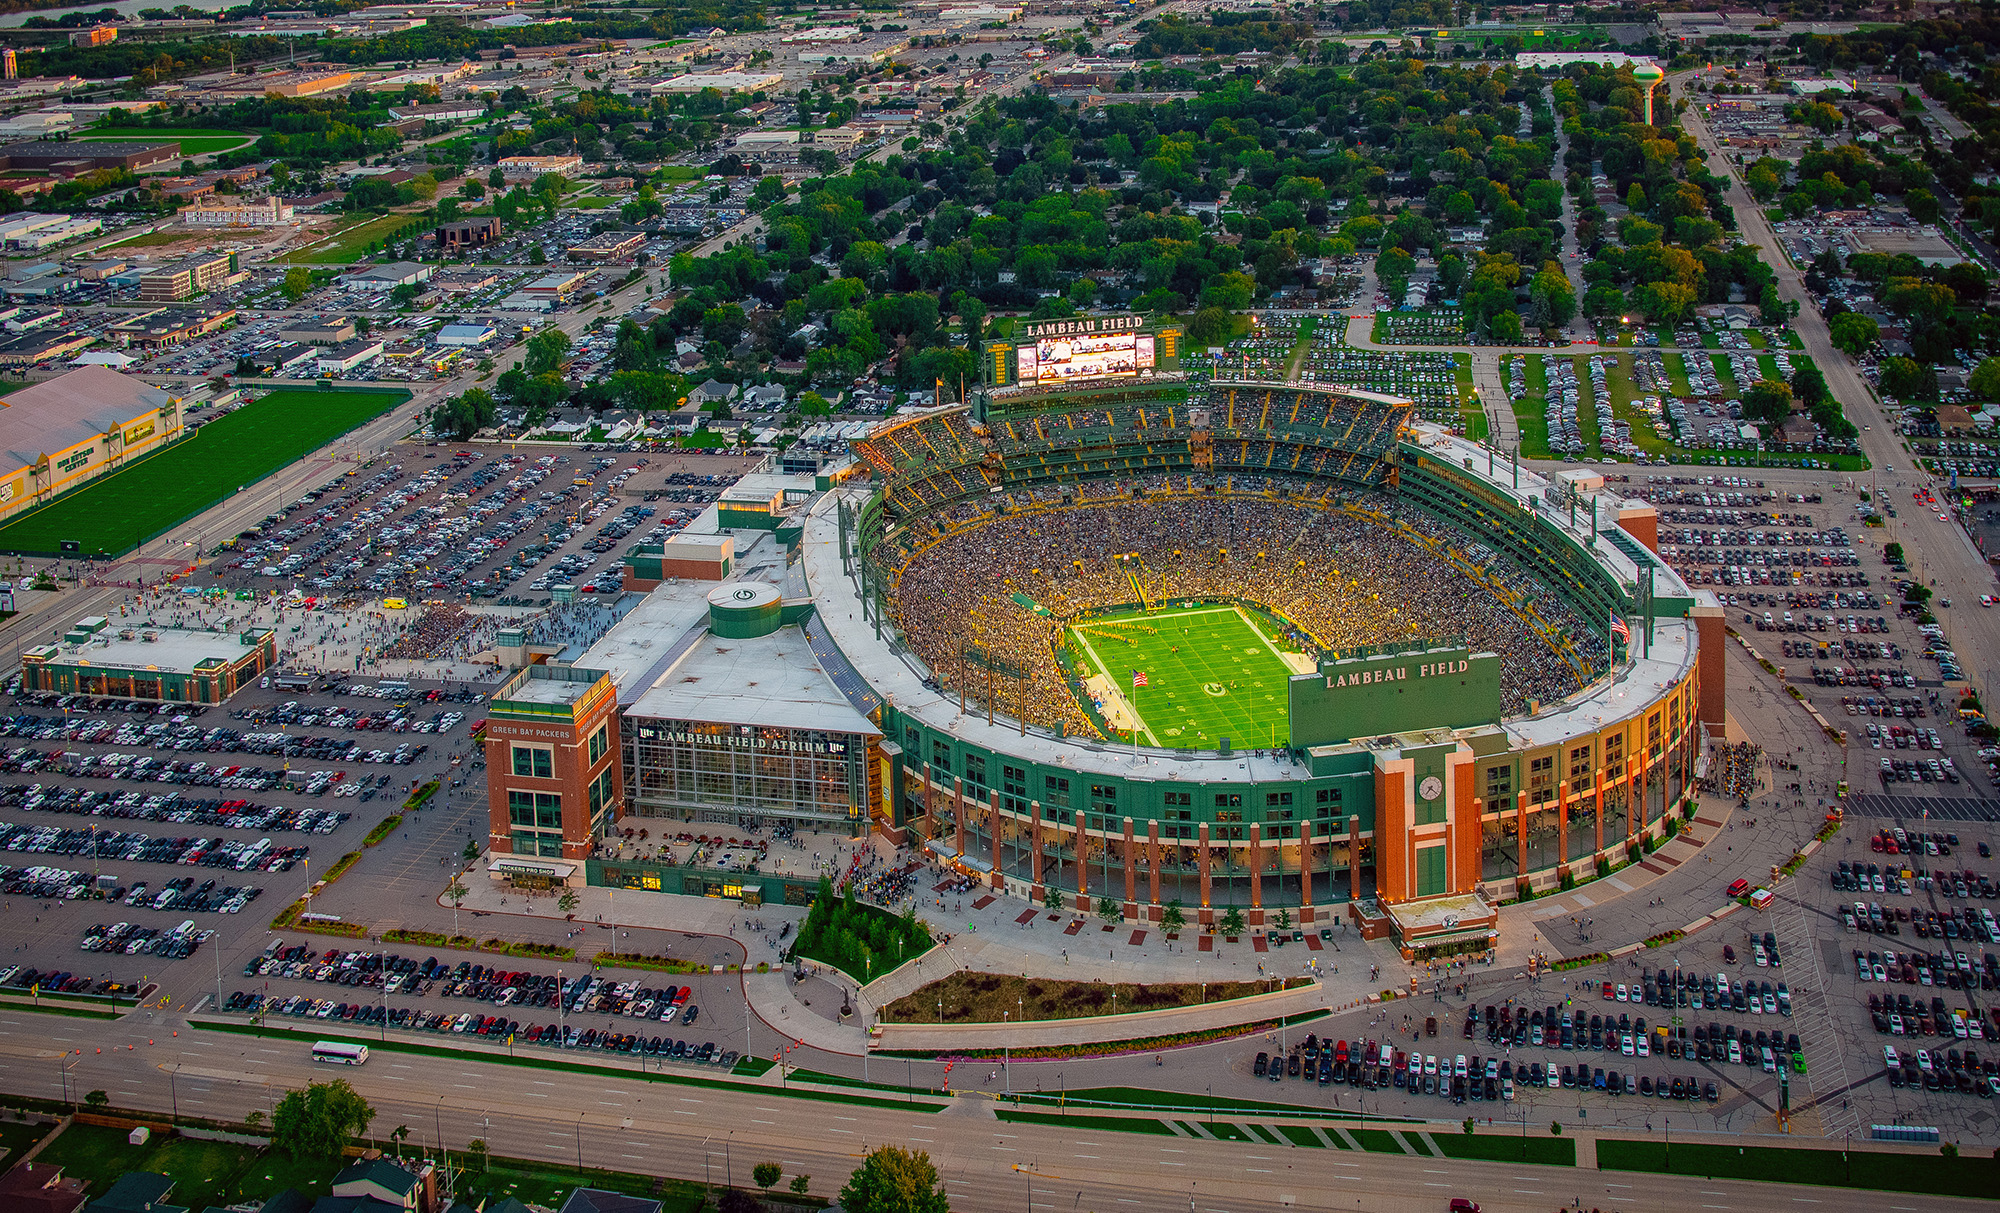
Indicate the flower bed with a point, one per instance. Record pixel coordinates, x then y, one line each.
383 829
1580 962
422 794
1666 937
466 943
662 964
970 997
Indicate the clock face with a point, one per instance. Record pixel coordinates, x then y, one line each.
1431 788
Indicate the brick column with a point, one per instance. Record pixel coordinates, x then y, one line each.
1256 866
1393 879
958 800
1153 862
1201 857
1354 857
1082 865
1035 829
1131 864
995 879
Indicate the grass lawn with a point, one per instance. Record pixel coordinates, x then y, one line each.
703 440
681 172
1376 1141
971 997
16 1136
113 513
1756 339
1211 671
351 243
1531 416
204 1172
1677 374
150 239
1107 1124
1544 1151
194 141
548 1185
1725 376
1971 1175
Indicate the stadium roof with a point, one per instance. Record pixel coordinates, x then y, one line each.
83 404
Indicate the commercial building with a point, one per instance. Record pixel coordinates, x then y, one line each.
387 276
96 35
528 167
468 233
454 111
166 327
83 156
186 279
695 82
608 246
23 230
233 211
344 358
173 665
466 335
555 287
58 434
33 348
553 776
338 330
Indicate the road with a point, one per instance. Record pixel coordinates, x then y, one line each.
698 1133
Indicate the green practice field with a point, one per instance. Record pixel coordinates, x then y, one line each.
115 513
193 141
1211 672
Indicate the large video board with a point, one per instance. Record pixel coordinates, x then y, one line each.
1072 351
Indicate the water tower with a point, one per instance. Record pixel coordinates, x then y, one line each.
1648 77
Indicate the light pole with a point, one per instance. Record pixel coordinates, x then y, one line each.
579 1147
1006 1057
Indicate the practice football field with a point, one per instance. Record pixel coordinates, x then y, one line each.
1210 673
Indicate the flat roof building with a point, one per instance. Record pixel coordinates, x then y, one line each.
554 780
468 233
608 246
237 212
335 331
165 327
90 154
185 279
175 665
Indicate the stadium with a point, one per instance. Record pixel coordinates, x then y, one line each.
1141 643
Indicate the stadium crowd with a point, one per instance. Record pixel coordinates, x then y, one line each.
1339 578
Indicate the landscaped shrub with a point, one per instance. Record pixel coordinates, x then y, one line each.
860 940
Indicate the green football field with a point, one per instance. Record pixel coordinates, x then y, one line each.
114 513
1211 672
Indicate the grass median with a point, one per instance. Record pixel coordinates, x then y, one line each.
1878 1171
539 1059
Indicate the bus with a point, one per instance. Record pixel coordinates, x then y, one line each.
340 1053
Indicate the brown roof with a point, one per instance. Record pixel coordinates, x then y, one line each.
36 1187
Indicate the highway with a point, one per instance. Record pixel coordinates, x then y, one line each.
706 1134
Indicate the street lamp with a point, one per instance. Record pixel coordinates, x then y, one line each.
579 1147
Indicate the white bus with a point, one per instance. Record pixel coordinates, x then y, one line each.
340 1053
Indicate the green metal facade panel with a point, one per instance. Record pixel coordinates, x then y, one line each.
1142 799
1372 696
745 520
1430 870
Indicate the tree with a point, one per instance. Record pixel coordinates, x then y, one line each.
298 280
1906 378
1107 909
1506 327
894 1180
1984 381
1923 205
1284 920
1232 921
800 1183
319 1121
1809 385
97 1101
812 404
1768 402
1666 302
456 892
546 351
1854 333
399 1135
1209 326
765 1174
1052 897
568 902
1174 917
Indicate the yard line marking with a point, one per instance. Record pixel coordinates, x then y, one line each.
1259 1170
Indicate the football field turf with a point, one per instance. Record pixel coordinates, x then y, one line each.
1210 673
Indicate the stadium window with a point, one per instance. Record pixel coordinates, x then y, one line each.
941 757
1229 815
1274 800
1579 766
975 775
535 810
1614 754
534 762
1229 800
1499 785
1653 735
1013 789
1542 778
1103 798
912 743
1327 796
1055 791
600 741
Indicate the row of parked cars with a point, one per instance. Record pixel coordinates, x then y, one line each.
131 847
416 1019
1943 1070
171 807
1374 1066
170 944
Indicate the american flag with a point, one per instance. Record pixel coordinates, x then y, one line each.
1138 679
1618 627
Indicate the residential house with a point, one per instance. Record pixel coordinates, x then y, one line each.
36 1187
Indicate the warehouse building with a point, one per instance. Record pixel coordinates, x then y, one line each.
163 328
59 434
173 665
84 156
